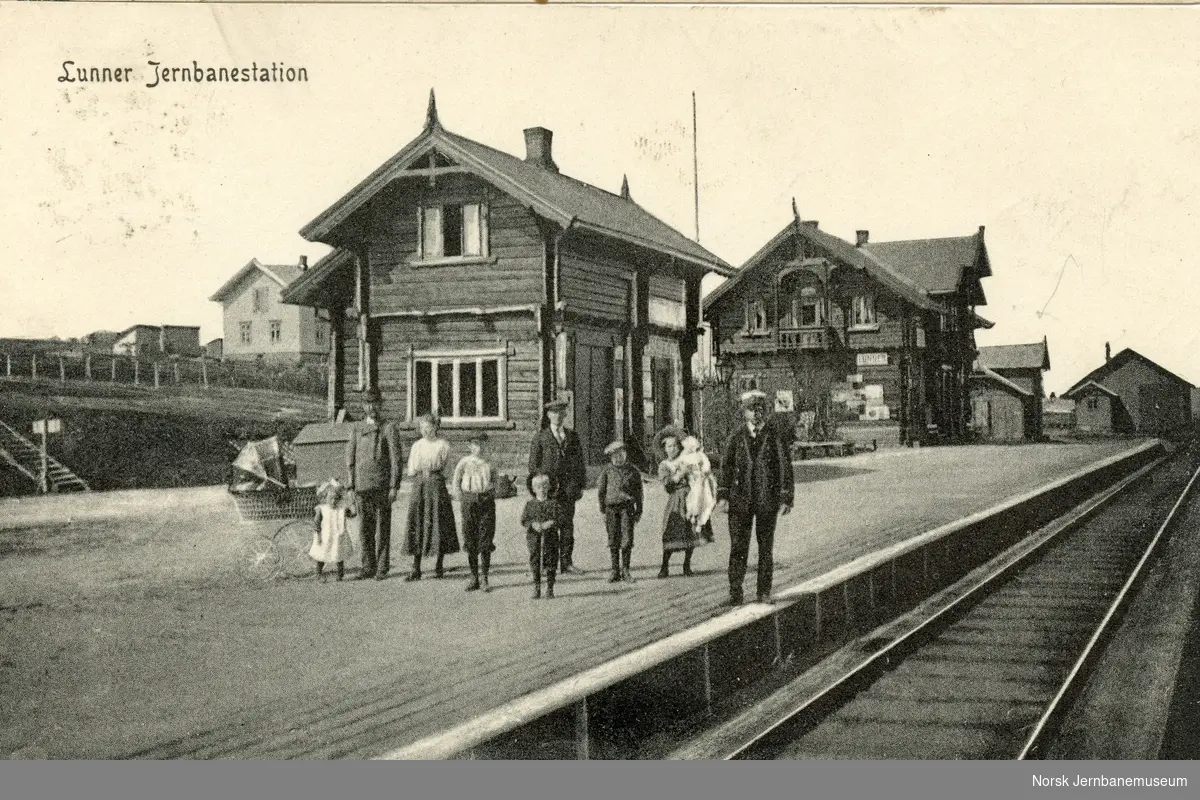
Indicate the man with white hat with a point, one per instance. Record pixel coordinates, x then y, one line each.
758 484
557 452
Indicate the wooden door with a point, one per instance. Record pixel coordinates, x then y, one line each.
662 391
982 416
594 407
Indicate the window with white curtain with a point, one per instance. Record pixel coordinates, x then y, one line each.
453 231
863 311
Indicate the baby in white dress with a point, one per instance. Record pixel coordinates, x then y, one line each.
702 486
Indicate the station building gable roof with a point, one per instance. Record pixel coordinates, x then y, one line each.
1116 362
537 184
840 250
1016 356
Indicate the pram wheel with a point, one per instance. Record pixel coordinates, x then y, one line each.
292 541
259 560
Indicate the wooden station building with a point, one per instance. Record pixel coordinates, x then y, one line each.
877 340
1129 394
480 285
1007 391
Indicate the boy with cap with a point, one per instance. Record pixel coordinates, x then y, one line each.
757 479
620 493
472 485
556 452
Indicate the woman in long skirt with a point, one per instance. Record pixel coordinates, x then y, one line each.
431 529
678 531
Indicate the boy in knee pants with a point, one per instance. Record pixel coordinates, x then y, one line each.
620 494
540 520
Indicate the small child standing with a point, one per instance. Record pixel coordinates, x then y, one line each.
540 520
472 485
332 543
620 494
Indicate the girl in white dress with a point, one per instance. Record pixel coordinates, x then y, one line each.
332 543
431 530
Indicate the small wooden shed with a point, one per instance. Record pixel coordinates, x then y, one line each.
1099 409
999 407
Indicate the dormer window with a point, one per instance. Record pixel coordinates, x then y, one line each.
453 231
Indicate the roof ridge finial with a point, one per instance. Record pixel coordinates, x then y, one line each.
625 188
431 115
797 242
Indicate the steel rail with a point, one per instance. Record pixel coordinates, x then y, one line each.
812 709
1054 714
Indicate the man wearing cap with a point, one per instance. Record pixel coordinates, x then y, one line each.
757 480
373 467
556 451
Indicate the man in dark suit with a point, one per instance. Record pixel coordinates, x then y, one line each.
373 467
556 451
758 484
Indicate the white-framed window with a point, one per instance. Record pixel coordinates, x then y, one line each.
808 309
1093 403
862 313
756 316
276 331
667 304
245 332
260 299
459 386
451 230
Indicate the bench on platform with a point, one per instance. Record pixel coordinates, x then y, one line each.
829 449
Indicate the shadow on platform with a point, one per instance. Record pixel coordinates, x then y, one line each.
812 473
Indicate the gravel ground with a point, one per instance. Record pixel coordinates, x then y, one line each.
125 629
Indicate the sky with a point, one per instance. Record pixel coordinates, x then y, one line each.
1070 133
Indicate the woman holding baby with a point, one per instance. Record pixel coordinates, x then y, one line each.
687 477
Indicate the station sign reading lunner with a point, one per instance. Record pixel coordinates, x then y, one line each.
872 359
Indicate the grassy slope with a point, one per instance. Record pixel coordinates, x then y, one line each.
123 438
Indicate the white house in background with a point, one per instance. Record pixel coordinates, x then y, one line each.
257 324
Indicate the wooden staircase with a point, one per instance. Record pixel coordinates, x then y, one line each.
26 458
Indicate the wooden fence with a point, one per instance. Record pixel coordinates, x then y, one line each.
298 378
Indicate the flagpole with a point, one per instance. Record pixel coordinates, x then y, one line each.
696 167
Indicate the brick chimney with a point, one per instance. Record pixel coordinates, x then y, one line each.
861 238
303 262
1107 353
537 148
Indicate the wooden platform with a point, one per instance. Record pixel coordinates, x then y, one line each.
359 668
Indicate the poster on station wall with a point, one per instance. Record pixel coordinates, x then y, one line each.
784 401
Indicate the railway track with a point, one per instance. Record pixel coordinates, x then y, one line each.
990 673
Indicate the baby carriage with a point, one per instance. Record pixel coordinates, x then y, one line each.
263 485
